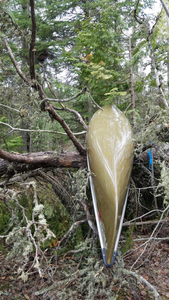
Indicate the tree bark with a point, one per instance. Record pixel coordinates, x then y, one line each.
131 80
19 163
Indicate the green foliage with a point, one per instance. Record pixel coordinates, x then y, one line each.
7 143
4 218
13 144
129 240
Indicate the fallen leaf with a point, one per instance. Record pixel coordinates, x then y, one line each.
146 277
26 297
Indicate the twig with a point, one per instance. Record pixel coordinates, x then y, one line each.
55 116
19 71
66 108
73 226
78 116
142 223
91 98
33 130
142 216
64 100
146 239
6 106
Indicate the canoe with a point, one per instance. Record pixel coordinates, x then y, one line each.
110 157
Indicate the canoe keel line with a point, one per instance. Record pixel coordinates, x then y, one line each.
109 158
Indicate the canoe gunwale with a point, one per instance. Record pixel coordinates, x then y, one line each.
94 200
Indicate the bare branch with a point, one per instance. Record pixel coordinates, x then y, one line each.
8 107
68 109
74 225
19 71
36 85
88 93
33 130
53 114
78 116
143 223
151 236
65 100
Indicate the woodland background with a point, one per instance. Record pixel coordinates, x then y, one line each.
59 62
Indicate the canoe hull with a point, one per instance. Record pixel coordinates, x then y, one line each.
110 156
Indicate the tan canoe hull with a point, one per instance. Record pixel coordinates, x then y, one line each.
110 156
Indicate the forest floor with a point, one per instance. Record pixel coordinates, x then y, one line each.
150 260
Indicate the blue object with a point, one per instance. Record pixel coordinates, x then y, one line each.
150 159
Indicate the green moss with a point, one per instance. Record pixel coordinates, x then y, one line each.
129 240
4 218
4 286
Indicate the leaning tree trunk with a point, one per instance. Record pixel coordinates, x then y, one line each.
131 80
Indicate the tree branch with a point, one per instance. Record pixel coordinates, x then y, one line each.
54 115
65 100
68 109
11 163
36 130
19 71
45 105
91 98
10 108
135 13
36 85
78 116
73 226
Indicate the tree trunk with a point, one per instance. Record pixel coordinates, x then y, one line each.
131 80
156 73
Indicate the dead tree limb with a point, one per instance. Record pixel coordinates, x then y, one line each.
18 69
55 116
19 163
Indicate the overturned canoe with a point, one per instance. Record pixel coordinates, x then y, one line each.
110 156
